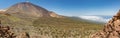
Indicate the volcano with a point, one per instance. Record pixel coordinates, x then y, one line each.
29 9
21 17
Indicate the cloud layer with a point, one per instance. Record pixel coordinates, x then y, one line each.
95 18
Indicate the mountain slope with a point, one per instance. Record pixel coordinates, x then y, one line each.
28 9
65 27
51 27
40 23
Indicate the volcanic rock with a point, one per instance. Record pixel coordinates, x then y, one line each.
7 32
111 29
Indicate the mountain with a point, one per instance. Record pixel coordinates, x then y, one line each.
29 9
41 23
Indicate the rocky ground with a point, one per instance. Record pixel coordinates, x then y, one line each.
6 32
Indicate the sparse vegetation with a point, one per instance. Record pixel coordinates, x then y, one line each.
65 27
51 27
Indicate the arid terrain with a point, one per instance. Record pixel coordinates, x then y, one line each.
38 22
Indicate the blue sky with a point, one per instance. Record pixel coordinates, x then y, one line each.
72 7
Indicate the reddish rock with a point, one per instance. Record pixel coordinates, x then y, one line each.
6 32
111 29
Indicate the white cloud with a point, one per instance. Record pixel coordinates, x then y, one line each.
95 18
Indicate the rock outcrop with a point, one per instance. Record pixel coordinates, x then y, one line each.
6 32
111 29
